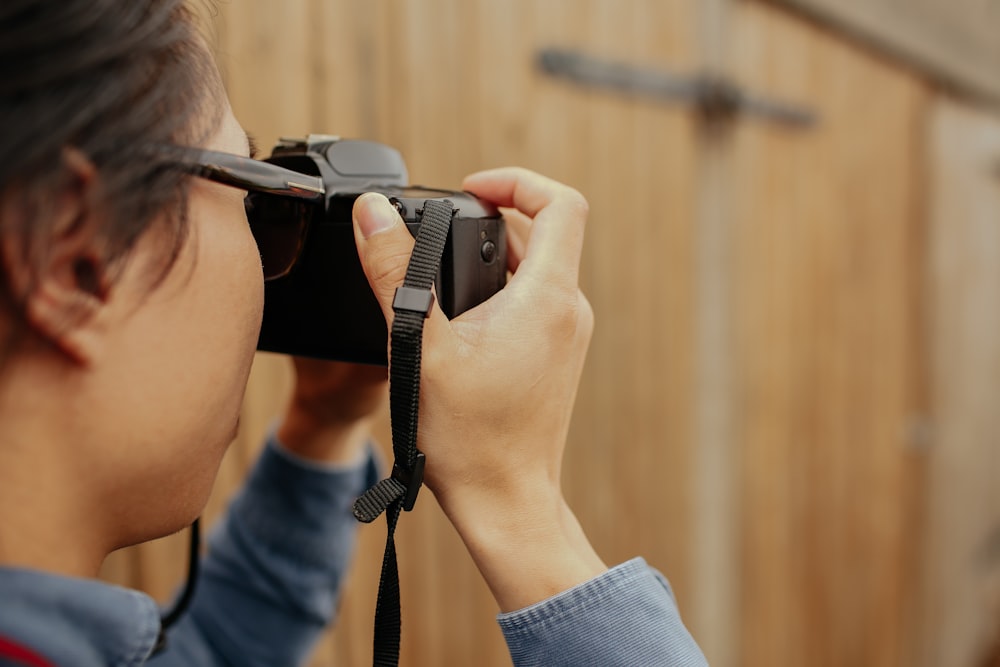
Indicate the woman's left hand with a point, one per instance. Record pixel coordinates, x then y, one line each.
332 406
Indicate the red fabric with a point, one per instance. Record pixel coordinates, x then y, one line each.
21 655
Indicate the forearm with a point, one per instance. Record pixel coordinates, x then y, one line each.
325 442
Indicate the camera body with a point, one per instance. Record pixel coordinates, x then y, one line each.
324 307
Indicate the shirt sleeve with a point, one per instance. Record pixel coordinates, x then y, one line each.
270 581
626 616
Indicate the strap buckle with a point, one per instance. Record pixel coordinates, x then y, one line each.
411 479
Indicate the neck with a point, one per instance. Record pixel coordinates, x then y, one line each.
46 520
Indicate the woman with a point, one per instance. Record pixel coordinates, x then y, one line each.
130 307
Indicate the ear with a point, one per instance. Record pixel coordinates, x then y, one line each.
62 280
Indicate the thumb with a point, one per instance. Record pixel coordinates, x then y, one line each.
384 247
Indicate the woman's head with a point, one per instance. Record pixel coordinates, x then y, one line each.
130 292
113 80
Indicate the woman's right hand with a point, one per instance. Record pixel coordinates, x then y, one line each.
498 385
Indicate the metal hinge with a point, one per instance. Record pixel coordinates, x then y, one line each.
715 97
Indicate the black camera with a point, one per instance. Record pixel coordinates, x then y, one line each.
324 306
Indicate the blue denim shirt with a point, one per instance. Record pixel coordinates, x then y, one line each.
270 582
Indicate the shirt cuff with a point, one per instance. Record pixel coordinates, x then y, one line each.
625 616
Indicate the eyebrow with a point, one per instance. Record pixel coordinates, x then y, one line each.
252 145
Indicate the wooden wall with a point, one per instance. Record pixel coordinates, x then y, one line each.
960 592
774 310
828 260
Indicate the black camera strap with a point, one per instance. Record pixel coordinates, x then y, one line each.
411 305
168 618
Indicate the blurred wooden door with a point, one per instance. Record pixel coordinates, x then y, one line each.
829 256
960 576
746 418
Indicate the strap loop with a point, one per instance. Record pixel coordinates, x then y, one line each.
413 300
411 479
412 304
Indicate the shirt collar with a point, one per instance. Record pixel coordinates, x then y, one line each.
74 621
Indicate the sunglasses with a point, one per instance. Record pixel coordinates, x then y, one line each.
279 202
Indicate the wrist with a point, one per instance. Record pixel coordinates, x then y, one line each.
313 437
526 549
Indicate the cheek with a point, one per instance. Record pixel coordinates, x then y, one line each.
172 382
228 292
206 322
218 329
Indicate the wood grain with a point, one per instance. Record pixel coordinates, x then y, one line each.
961 575
830 363
951 41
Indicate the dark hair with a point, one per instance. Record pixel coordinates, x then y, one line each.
115 80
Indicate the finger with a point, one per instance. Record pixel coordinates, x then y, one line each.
514 187
518 233
558 213
384 247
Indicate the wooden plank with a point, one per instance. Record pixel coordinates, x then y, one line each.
953 41
829 370
961 575
715 616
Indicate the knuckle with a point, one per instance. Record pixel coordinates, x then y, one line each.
577 203
522 173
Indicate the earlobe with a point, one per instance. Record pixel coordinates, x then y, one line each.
58 274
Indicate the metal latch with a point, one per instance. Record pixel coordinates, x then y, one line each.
715 97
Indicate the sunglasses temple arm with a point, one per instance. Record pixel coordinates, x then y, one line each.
264 177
